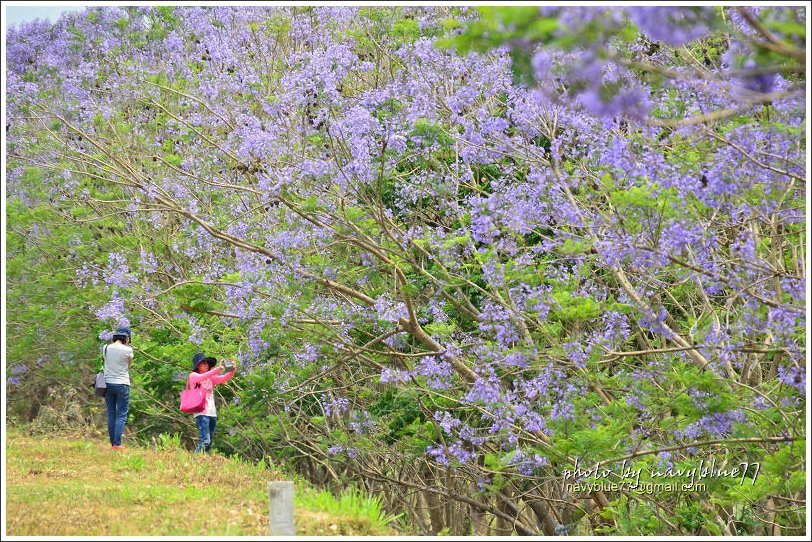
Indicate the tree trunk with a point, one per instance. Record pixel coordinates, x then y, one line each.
544 515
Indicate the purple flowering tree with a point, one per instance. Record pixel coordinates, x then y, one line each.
446 284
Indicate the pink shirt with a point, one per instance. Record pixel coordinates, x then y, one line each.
207 381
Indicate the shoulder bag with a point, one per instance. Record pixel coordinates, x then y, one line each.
193 400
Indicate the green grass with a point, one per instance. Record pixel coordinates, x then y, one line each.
351 503
71 485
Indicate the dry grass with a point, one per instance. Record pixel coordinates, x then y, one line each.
68 485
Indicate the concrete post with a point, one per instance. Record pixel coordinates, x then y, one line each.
280 497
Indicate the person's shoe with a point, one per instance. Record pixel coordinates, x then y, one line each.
118 447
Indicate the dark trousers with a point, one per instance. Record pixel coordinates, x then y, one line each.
117 399
205 431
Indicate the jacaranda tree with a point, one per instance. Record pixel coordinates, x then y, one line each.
463 255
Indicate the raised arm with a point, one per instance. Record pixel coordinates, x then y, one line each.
195 378
219 379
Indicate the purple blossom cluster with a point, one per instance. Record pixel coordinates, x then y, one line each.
361 132
437 372
86 275
664 460
335 405
456 452
447 421
500 321
525 464
714 425
389 310
794 377
576 354
486 390
113 311
394 376
673 25
362 423
255 341
310 354
351 451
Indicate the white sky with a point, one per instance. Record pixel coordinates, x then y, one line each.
17 14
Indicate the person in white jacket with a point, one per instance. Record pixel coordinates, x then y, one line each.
118 358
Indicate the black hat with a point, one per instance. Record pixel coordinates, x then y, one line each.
122 332
200 358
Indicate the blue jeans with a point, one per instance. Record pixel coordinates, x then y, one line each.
117 399
205 430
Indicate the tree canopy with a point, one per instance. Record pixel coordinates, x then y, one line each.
458 252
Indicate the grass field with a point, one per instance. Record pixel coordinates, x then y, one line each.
70 485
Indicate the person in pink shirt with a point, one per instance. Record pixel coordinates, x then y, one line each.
205 374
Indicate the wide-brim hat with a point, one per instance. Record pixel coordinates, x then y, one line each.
200 358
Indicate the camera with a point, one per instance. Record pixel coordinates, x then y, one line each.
228 365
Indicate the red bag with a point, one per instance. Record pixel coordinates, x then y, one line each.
192 400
